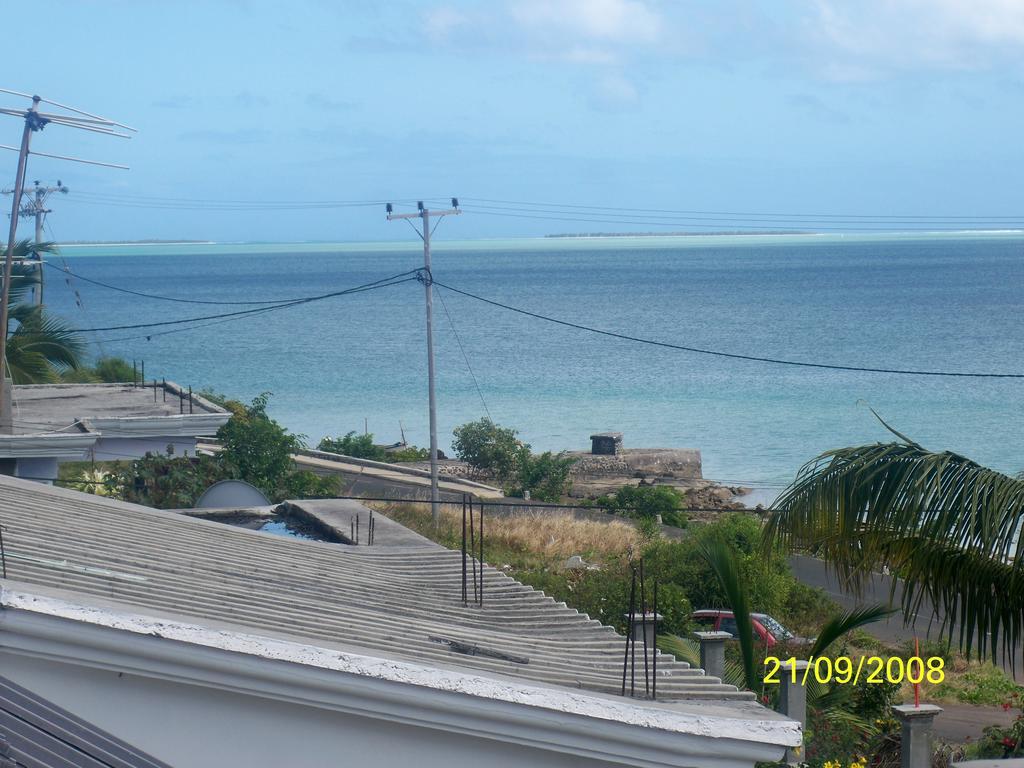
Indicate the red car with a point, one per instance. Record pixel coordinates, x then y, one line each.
767 630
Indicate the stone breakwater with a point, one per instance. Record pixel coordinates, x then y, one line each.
596 475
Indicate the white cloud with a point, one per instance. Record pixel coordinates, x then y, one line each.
613 21
441 22
864 39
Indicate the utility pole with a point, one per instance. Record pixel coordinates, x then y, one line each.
35 121
34 206
425 214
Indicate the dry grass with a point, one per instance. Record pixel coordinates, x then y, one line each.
545 534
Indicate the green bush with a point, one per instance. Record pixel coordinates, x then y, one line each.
546 476
165 482
408 453
362 447
357 446
647 501
257 449
680 563
113 370
486 446
603 594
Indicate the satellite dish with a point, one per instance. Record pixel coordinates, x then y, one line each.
231 493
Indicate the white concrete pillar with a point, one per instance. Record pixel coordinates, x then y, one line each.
793 704
712 652
916 741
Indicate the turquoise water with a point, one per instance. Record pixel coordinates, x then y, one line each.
914 301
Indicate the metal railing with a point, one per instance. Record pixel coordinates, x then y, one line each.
648 620
469 551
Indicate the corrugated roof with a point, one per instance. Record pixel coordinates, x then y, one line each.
403 604
35 733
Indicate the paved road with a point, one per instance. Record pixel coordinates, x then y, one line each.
958 721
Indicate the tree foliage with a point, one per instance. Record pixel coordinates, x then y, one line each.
545 476
486 446
358 446
646 502
498 451
40 346
363 447
255 448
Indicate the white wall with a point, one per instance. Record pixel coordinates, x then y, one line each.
197 727
40 469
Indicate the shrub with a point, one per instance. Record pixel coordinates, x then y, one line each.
546 476
113 370
358 446
486 446
166 482
257 449
409 453
647 501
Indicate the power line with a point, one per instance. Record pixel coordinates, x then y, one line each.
67 270
382 283
464 355
731 355
727 226
567 206
197 204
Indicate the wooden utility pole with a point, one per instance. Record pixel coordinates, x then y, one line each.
35 121
34 207
425 214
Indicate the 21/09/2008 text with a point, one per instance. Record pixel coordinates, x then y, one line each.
844 669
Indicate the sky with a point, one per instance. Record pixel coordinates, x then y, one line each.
875 107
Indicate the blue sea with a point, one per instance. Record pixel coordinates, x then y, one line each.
943 301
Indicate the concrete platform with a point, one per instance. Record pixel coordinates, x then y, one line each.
337 516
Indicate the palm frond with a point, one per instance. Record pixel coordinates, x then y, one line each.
847 721
839 625
947 525
723 562
41 346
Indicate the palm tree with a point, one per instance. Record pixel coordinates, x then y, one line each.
947 526
39 345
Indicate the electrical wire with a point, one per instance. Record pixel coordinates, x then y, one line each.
464 355
382 283
197 204
742 214
67 269
720 226
731 355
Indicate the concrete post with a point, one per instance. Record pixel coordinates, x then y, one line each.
712 652
793 703
916 737
640 627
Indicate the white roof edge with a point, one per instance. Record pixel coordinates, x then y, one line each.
173 425
747 739
46 445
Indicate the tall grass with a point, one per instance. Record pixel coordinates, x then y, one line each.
549 536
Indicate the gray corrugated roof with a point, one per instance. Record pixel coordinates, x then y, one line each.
391 603
37 734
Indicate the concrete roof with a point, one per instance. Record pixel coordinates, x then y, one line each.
383 611
114 410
